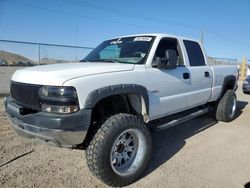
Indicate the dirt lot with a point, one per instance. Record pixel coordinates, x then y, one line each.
198 153
5 76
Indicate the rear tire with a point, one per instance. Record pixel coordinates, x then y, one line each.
120 150
226 107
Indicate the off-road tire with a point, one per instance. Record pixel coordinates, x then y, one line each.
224 109
99 150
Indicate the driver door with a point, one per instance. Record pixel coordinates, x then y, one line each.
168 88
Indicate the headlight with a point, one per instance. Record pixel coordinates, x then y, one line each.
60 93
59 99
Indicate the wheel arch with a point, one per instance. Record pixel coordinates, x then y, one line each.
228 83
133 92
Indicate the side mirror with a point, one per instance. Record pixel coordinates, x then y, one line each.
168 62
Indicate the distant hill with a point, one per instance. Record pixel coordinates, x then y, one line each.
14 59
47 60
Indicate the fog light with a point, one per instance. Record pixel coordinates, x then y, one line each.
60 109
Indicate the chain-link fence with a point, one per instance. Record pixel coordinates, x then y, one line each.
15 55
222 61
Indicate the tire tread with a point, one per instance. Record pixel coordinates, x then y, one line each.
223 105
96 147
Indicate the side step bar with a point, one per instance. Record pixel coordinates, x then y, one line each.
180 120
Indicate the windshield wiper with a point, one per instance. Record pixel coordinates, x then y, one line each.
109 60
102 60
84 60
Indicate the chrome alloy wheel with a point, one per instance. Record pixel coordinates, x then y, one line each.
232 107
127 152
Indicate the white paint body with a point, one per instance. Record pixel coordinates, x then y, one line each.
167 90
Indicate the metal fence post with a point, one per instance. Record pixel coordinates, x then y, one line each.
38 54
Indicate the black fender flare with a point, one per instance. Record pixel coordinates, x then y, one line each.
226 80
95 96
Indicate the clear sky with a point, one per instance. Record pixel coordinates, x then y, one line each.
226 23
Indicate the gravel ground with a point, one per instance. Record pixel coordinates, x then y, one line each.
198 153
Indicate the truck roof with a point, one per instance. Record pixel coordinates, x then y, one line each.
160 35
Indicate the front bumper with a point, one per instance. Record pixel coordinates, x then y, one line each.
53 129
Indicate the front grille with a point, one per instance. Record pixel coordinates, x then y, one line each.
26 94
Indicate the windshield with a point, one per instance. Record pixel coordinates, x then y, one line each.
122 50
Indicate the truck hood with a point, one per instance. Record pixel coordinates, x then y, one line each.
57 74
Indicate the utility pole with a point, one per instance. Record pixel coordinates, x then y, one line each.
202 37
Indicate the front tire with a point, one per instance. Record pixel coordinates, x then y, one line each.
120 150
226 107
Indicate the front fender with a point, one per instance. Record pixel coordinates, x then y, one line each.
95 96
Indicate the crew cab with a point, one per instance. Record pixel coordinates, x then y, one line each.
109 102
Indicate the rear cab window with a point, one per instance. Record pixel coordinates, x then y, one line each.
194 52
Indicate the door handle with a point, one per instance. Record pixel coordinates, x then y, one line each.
186 75
206 74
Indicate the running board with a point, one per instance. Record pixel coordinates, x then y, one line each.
180 120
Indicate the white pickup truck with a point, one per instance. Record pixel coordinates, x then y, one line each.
107 103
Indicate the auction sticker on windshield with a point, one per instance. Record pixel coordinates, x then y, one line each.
143 39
